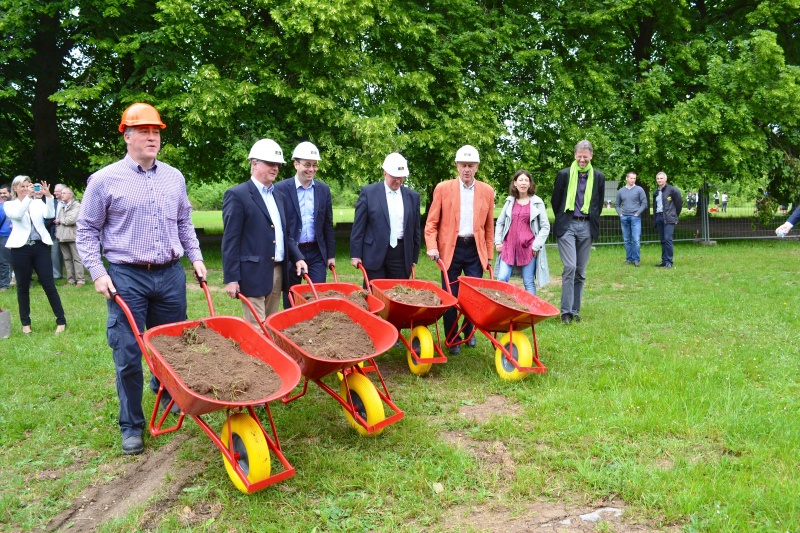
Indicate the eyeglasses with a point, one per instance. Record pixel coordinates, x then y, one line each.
314 166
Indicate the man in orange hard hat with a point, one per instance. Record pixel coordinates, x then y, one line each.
136 211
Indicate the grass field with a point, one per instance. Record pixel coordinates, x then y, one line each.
677 397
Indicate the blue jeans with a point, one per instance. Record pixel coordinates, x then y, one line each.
631 234
528 274
5 263
155 298
665 232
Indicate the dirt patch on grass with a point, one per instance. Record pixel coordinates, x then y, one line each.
495 405
154 473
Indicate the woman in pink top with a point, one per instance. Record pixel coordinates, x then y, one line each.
520 234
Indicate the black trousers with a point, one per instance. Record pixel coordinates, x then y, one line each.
26 260
467 261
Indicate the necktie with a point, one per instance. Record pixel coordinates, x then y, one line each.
394 226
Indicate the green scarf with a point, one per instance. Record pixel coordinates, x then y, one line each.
572 188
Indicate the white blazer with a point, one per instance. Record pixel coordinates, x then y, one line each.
22 213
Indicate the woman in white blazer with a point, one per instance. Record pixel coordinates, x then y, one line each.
30 244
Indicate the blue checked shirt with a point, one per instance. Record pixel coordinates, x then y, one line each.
137 215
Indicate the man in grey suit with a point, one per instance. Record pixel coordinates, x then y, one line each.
256 247
309 213
386 228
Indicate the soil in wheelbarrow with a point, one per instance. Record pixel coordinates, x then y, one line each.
357 297
418 297
331 335
503 298
216 367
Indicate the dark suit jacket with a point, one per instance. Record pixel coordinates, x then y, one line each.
369 239
323 215
564 218
248 240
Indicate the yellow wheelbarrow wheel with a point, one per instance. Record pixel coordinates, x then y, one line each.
251 445
367 402
422 342
520 349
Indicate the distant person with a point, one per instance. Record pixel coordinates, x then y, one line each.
30 244
256 245
630 204
716 201
66 226
137 214
724 202
786 227
386 229
521 232
667 204
460 231
55 250
5 231
577 203
309 216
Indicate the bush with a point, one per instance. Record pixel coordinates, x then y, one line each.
208 196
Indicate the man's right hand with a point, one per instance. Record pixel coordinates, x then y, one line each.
104 286
433 253
784 228
232 288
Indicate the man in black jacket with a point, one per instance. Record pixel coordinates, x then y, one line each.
577 203
667 204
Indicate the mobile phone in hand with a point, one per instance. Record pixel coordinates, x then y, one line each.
37 187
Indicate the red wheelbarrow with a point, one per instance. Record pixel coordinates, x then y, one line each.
421 351
514 358
301 294
361 401
244 443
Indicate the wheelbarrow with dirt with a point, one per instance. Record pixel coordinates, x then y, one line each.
495 307
362 402
244 442
421 350
313 291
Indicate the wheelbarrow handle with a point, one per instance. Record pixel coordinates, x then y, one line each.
332 268
441 266
366 277
204 285
306 277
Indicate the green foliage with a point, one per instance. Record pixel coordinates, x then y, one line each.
208 196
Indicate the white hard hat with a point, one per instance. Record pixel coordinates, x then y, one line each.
396 165
467 154
266 150
306 150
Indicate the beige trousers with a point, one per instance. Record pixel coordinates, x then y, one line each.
265 305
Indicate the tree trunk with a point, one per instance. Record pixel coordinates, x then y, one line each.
47 62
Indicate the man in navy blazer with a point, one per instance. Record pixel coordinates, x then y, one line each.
386 229
256 246
309 214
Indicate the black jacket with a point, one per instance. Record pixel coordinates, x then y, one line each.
564 218
673 203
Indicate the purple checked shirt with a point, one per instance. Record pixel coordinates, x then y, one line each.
138 216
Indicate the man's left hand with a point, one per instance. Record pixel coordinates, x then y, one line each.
199 270
301 267
332 262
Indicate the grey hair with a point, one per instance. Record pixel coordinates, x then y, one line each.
65 188
584 145
661 174
18 180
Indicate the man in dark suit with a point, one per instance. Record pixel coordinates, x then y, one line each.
386 229
256 245
309 214
577 203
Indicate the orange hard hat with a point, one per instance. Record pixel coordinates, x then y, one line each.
140 115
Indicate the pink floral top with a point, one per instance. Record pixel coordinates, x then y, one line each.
518 246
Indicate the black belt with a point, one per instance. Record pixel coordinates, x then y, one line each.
308 244
582 219
153 266
466 240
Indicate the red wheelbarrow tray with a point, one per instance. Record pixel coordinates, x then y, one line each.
382 334
403 315
305 293
251 341
491 315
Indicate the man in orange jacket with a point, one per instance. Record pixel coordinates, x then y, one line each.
460 230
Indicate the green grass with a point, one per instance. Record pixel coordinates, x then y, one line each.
679 393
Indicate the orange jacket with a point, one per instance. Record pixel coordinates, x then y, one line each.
444 217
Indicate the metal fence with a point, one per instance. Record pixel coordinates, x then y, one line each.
736 223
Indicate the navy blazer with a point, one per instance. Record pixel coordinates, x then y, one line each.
248 240
369 239
323 215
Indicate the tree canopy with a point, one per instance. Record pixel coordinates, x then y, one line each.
690 88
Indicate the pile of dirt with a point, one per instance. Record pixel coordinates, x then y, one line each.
331 335
216 367
357 297
504 298
418 297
